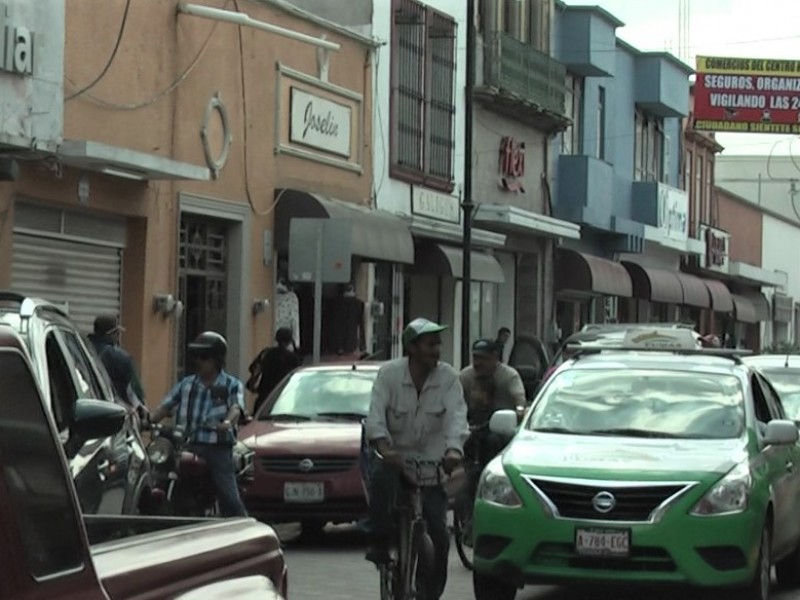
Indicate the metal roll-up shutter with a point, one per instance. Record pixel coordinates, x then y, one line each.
85 277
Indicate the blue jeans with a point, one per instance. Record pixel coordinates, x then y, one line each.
223 474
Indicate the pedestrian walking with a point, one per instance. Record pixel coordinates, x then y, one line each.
118 363
271 365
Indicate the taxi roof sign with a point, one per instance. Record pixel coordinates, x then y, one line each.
660 339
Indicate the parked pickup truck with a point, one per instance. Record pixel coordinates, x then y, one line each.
50 550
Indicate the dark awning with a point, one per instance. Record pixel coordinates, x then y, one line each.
721 300
760 304
695 293
656 285
376 234
448 261
743 309
586 273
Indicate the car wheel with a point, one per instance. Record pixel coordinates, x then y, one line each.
313 528
759 587
486 587
787 571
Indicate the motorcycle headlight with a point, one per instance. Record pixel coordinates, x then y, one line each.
730 495
159 451
495 486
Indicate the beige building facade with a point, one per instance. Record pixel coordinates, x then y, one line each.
169 195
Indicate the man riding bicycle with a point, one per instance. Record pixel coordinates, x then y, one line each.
417 412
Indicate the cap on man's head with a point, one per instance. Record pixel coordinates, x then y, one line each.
106 325
419 327
485 347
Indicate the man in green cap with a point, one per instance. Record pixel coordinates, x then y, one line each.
417 412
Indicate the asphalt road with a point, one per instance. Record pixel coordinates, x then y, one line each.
332 567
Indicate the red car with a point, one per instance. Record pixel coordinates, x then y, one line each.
307 439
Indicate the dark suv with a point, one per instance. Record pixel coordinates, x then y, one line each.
112 475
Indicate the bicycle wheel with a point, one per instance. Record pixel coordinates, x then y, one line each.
462 535
421 560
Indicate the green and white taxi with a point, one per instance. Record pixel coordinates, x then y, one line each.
654 462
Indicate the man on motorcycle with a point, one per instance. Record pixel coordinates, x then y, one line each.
207 406
489 385
417 411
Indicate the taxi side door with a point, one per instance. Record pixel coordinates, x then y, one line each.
773 462
791 465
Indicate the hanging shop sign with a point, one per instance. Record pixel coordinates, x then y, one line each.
512 164
717 249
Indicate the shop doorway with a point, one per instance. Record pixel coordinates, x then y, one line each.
202 277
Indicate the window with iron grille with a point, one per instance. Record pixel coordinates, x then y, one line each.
423 99
648 162
573 105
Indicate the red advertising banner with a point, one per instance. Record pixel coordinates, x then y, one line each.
747 95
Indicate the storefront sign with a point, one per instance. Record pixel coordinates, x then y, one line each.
673 212
747 95
32 73
717 249
436 205
16 45
320 123
512 164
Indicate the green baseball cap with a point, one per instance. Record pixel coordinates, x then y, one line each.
419 327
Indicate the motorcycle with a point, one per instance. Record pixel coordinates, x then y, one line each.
182 484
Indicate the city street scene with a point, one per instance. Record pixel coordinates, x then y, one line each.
399 300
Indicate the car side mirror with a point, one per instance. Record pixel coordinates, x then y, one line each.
94 419
781 433
504 423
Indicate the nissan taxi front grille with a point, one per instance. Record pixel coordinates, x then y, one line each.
606 500
311 465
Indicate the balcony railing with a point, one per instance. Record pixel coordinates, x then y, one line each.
520 69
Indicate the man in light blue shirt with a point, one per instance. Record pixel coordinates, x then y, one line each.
207 407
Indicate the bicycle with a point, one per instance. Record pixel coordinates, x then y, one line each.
462 511
411 552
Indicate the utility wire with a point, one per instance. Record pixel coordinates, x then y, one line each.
111 58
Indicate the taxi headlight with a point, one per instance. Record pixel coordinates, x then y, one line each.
729 496
495 486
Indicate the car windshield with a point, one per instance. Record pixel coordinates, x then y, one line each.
328 394
641 403
787 383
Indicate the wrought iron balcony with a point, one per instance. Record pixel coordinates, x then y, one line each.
524 80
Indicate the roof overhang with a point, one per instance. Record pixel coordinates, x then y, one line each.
684 246
440 230
757 275
127 163
510 219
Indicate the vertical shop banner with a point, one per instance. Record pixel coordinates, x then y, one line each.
747 95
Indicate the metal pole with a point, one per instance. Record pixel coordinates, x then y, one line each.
318 297
467 204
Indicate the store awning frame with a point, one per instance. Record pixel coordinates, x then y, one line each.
721 299
442 260
695 293
743 309
377 234
656 285
760 304
511 219
586 273
126 163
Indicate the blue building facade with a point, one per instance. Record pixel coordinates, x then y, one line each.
619 176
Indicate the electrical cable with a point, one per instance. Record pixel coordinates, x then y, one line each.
166 91
110 60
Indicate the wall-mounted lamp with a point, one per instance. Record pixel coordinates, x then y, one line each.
259 306
166 305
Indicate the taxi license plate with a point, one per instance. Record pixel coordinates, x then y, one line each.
603 542
304 493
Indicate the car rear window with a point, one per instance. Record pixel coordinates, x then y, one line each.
641 403
311 393
786 382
